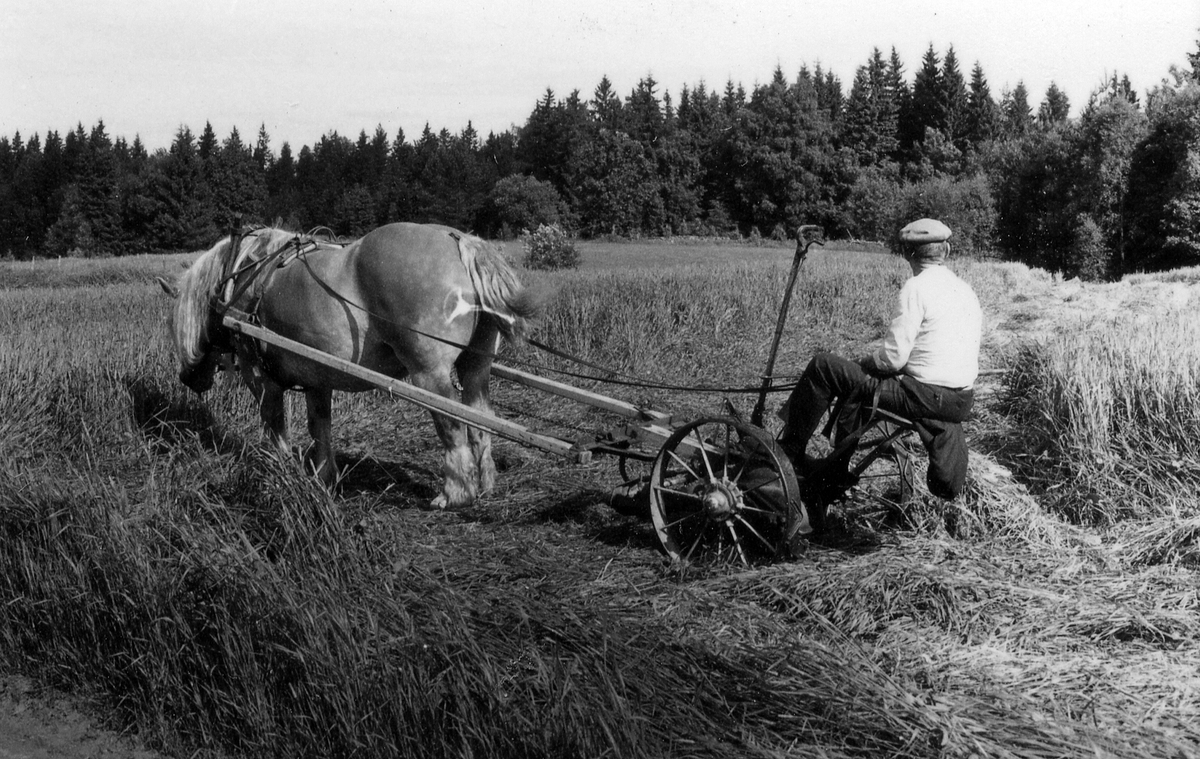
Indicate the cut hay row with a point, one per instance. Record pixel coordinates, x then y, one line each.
981 635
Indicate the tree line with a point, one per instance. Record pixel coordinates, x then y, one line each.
1112 190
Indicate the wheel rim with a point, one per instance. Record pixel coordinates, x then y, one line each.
721 490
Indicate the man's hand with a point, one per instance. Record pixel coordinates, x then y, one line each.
869 366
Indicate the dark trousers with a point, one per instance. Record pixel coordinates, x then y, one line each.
936 411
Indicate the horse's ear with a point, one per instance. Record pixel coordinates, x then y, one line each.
168 288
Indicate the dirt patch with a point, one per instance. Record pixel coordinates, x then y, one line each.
39 725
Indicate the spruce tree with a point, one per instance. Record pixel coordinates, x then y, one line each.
829 93
983 115
869 121
901 97
954 101
182 192
263 155
643 112
606 106
928 104
733 100
238 183
207 147
1017 117
1055 108
98 192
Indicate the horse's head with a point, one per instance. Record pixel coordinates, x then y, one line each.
194 324
189 321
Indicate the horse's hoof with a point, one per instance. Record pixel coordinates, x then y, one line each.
439 503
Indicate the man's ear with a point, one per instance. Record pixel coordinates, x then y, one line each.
168 288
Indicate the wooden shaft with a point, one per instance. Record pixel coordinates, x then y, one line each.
423 398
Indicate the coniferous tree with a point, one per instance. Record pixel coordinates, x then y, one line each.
74 147
400 192
280 178
374 161
869 120
829 93
1120 87
927 102
208 145
955 100
8 159
700 128
138 205
553 132
182 193
98 195
1017 117
500 151
901 97
237 183
643 112
1055 108
616 188
983 115
781 143
733 100
605 106
17 205
263 155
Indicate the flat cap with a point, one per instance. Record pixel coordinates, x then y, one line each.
925 230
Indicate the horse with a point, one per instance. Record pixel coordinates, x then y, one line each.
421 302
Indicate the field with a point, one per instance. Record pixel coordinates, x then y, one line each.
202 595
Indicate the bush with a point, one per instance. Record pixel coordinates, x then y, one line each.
1088 257
872 204
965 205
521 204
550 248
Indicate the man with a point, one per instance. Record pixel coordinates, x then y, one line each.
925 370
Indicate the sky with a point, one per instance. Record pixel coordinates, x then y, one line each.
304 68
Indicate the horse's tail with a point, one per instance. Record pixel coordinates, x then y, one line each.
514 306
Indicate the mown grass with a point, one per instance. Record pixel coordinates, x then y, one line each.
152 554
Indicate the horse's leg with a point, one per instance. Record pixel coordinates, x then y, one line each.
271 409
319 459
458 466
474 371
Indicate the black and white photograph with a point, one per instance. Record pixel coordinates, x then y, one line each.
678 379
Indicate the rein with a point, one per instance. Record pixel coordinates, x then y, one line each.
629 380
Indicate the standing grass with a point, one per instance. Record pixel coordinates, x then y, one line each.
1111 415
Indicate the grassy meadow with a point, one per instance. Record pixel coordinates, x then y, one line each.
156 559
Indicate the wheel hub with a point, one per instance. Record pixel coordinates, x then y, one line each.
721 499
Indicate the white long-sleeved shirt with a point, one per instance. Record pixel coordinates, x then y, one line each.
936 332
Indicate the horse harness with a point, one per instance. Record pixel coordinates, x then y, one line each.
249 271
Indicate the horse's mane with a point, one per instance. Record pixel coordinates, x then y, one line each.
196 286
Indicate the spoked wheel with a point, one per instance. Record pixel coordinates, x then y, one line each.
891 467
880 482
722 490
